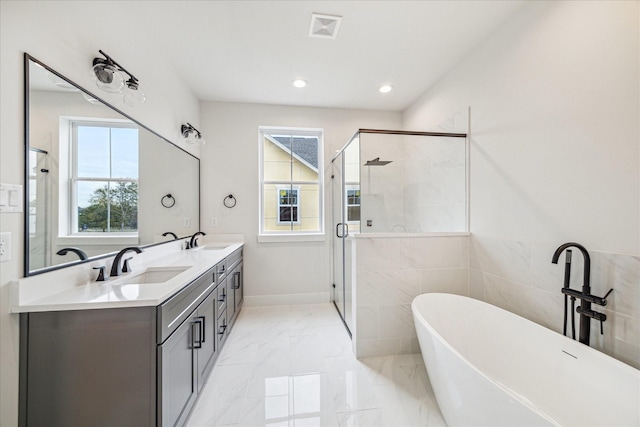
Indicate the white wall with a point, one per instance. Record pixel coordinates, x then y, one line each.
554 96
554 108
60 35
275 273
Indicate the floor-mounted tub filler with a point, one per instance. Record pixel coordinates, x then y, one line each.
490 367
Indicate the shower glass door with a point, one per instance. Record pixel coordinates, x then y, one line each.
346 222
337 215
38 220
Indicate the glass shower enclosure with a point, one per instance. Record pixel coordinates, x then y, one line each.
393 182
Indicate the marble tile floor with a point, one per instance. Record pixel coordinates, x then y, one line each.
293 366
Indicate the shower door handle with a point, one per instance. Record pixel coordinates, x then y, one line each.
344 224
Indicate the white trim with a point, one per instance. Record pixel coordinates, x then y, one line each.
297 205
71 124
286 299
96 240
396 235
299 236
265 236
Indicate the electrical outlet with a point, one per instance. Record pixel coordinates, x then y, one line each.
187 222
214 222
5 247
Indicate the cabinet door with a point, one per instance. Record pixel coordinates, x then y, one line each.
231 305
177 368
206 313
238 286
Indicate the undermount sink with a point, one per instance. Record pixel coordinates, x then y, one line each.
216 246
154 275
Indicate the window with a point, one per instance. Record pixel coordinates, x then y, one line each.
353 204
291 193
288 205
104 178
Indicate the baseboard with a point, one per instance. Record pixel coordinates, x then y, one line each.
286 299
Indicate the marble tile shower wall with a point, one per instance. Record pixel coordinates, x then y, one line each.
422 190
389 273
519 277
434 185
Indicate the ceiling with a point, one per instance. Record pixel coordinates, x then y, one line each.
251 51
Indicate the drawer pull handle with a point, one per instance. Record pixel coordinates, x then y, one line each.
197 343
202 330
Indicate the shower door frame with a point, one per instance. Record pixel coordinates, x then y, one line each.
339 272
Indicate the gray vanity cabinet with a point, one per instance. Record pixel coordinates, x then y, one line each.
185 360
206 353
177 386
137 366
234 286
236 278
88 368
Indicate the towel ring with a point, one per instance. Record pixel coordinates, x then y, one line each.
168 201
229 201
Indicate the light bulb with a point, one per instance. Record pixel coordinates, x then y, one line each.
133 95
91 99
108 78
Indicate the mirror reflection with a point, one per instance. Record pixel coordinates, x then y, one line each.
97 178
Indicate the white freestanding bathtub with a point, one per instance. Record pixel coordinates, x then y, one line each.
490 367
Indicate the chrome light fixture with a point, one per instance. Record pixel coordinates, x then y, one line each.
110 77
191 135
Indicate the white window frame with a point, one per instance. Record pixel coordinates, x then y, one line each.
74 179
352 187
291 235
296 205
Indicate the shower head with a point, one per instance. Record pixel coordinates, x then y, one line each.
377 162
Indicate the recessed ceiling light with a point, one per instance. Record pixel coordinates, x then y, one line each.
386 88
299 83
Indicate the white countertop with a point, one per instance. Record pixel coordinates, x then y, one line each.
34 294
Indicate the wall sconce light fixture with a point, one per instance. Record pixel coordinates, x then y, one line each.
191 135
110 77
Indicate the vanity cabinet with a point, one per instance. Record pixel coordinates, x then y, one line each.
186 356
134 366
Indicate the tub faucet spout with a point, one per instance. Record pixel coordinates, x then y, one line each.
585 311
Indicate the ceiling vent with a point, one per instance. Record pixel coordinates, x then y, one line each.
324 26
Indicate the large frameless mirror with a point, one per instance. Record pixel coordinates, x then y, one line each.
96 179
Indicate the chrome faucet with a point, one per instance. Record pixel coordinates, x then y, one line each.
194 239
81 254
584 309
116 267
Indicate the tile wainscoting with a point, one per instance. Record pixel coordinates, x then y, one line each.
519 277
389 273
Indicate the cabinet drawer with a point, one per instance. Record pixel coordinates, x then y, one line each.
221 270
176 309
233 259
